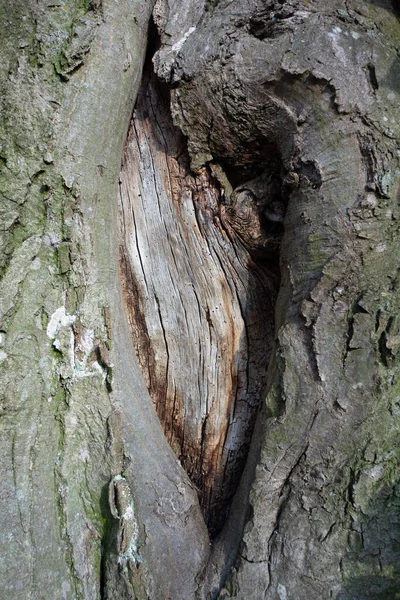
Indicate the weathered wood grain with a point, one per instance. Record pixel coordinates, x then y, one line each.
201 308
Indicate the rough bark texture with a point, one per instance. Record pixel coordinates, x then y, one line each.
93 501
307 93
286 106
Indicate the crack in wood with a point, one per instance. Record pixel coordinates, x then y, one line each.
200 304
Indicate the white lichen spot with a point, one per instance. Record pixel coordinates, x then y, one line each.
178 45
59 319
77 350
371 200
38 322
385 119
127 61
2 339
86 342
35 264
375 472
337 49
84 367
69 179
97 368
381 247
355 35
73 421
282 592
52 240
3 355
128 514
181 488
122 508
65 589
83 454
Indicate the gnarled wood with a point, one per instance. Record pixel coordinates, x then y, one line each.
287 107
200 287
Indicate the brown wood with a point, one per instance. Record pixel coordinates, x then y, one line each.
200 306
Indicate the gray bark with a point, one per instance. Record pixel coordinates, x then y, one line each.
285 108
78 520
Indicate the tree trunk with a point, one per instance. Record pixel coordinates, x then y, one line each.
77 424
253 303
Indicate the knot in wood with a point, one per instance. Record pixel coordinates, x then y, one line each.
252 208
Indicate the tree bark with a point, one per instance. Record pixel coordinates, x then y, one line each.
78 520
254 300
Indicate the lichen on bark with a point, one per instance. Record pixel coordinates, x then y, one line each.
309 88
69 75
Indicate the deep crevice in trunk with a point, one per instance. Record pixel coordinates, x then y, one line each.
200 272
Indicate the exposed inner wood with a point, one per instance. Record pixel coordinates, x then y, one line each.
199 266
